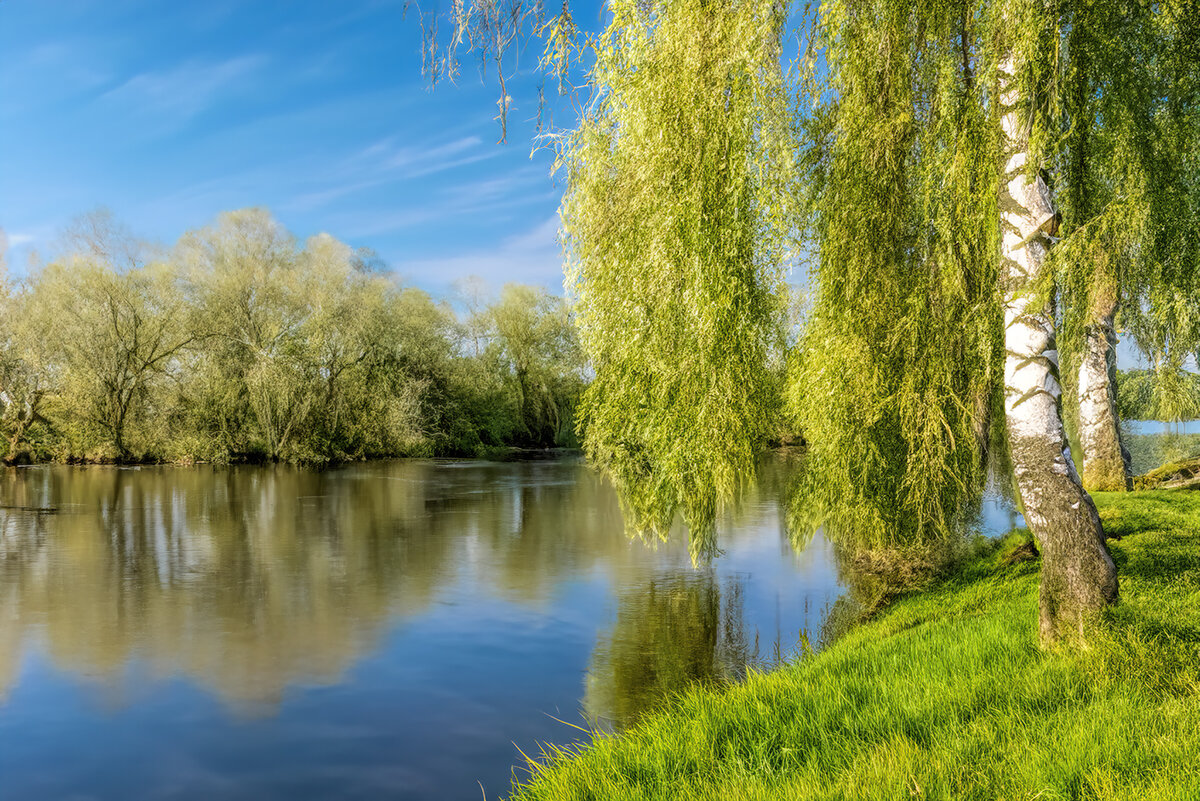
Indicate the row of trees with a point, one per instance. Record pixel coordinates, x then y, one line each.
241 343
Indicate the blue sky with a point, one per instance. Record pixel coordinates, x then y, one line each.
170 112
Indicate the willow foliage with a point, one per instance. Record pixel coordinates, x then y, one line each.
1127 161
896 375
900 366
675 223
1165 313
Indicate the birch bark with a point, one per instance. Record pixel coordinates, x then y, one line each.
1106 462
1078 576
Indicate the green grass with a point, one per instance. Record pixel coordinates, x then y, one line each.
946 695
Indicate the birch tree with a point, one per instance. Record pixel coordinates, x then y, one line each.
934 320
933 216
1078 576
1126 100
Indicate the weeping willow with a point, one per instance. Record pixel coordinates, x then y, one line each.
1166 322
1164 312
1126 164
943 141
896 377
676 223
932 162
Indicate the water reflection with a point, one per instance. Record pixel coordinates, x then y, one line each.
1149 428
1153 443
384 630
671 632
248 580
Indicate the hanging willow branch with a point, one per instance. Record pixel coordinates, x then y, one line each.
495 32
676 218
895 381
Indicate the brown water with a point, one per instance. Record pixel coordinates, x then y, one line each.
390 630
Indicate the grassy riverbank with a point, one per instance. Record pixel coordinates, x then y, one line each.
946 695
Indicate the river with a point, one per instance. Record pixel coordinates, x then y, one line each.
393 630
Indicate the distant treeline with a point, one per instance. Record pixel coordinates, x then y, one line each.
242 344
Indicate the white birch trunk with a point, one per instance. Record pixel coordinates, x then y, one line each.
1106 466
1078 577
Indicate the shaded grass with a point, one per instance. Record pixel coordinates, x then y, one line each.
946 695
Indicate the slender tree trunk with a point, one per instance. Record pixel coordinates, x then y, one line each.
1078 576
1106 462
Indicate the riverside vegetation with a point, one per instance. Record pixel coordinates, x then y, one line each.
984 192
241 344
945 694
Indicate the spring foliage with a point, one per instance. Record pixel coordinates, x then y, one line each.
1127 160
243 344
675 223
896 374
1170 395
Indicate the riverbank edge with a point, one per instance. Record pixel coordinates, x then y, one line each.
495 453
499 453
945 694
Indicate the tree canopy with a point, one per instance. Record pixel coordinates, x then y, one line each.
895 378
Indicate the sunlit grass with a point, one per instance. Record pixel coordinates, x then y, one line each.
946 695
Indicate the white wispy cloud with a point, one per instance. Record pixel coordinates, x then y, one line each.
533 257
16 239
469 201
386 162
46 72
404 157
304 192
181 92
18 246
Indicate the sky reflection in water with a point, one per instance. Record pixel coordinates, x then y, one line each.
387 630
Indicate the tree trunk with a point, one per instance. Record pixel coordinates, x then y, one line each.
1078 576
15 441
22 424
1106 462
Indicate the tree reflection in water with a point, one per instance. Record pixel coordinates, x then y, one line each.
674 631
248 580
453 606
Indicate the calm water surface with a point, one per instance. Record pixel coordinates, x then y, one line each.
1145 428
392 630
